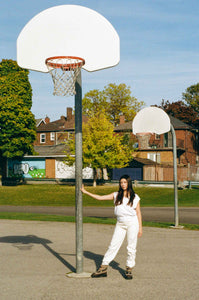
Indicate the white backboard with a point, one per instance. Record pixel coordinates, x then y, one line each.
151 119
68 30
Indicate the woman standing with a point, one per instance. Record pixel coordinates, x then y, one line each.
129 221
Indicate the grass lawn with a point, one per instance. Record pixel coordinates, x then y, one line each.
63 195
57 218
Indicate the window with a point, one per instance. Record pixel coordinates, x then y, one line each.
151 156
166 139
154 156
52 136
157 136
42 138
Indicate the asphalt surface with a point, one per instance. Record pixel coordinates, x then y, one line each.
35 257
187 215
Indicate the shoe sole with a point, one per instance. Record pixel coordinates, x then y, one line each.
128 277
99 275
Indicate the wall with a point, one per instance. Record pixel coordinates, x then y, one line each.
55 168
63 171
27 168
189 156
165 173
44 168
165 156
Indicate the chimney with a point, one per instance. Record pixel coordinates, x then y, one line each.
47 120
122 119
69 113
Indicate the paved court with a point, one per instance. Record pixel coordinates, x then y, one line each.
35 256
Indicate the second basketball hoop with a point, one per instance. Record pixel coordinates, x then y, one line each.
64 71
143 139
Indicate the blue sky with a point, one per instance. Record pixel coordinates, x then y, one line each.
159 49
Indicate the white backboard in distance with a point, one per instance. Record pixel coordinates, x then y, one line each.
151 120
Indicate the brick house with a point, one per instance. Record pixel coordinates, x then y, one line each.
56 132
48 161
158 149
152 156
186 142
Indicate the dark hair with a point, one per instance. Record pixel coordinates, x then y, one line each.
130 191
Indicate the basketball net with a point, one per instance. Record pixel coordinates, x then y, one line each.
143 139
64 71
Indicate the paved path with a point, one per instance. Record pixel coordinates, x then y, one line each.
35 256
187 215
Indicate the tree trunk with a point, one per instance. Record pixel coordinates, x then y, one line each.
3 163
94 177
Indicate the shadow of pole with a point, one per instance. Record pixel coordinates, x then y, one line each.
32 239
97 258
60 258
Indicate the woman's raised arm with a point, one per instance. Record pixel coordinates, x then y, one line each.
97 197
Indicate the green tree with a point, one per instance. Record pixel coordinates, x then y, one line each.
121 102
102 148
17 123
94 101
14 81
115 100
191 96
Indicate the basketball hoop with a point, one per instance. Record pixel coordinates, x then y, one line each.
64 71
140 134
143 139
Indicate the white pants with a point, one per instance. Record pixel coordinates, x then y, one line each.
131 228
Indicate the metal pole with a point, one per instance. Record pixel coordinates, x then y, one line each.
175 175
78 174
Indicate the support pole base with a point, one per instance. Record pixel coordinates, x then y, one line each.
177 227
80 275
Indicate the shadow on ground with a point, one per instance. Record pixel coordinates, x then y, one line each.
26 243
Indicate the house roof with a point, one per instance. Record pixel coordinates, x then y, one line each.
49 127
50 151
145 161
177 124
38 121
124 127
60 125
